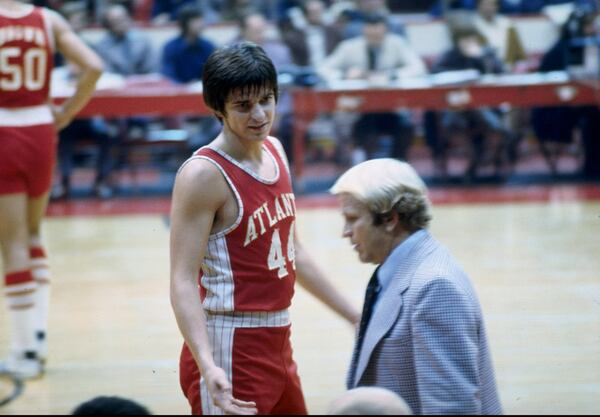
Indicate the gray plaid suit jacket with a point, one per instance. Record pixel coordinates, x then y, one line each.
426 341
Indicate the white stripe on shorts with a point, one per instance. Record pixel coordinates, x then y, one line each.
221 328
248 319
26 116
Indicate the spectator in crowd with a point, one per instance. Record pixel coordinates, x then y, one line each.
254 27
439 8
556 124
482 125
97 8
127 52
499 32
369 401
124 50
110 405
183 61
168 10
311 39
184 56
234 10
353 19
422 333
94 129
377 57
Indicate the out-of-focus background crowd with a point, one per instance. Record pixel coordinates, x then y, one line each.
340 45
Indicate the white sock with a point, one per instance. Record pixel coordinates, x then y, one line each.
20 291
41 275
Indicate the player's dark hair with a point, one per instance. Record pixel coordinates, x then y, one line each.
242 66
111 405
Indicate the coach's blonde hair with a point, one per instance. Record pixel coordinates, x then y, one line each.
388 184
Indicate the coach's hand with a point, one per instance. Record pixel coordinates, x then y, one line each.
220 392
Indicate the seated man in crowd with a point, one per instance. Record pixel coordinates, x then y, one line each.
127 52
355 14
124 50
184 56
556 124
499 33
481 124
376 56
311 39
169 10
183 59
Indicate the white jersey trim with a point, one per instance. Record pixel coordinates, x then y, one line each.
217 277
48 26
27 10
26 116
248 171
281 153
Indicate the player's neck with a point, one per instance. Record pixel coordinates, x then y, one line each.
243 150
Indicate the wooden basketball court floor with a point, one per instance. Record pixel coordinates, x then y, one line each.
535 262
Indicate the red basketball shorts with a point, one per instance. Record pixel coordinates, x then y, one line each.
27 158
259 362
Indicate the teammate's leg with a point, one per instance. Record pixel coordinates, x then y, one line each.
36 209
19 286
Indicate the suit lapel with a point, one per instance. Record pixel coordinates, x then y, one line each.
390 305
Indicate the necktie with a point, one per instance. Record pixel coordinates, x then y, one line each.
371 294
373 289
372 54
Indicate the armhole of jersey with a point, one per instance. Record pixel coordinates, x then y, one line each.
240 204
48 26
279 148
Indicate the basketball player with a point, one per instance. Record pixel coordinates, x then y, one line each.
29 37
233 219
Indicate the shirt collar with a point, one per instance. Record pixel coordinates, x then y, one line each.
388 267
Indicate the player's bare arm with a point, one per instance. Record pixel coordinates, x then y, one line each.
312 279
76 51
199 192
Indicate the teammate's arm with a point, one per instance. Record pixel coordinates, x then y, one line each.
70 45
198 193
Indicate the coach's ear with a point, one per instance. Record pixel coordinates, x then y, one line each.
391 220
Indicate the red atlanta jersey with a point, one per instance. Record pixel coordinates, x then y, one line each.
251 265
26 58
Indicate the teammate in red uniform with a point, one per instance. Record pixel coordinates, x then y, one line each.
29 37
233 219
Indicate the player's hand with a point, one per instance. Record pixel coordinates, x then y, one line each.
61 118
220 392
